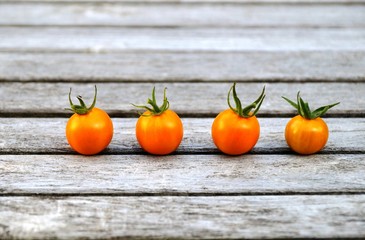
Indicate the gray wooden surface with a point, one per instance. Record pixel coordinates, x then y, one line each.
196 49
187 99
182 66
94 39
186 14
46 135
182 174
184 217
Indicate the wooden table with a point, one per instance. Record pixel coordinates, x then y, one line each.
196 49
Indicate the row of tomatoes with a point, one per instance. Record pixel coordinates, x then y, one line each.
159 130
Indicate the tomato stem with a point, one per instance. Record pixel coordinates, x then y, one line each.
304 109
82 108
154 109
248 111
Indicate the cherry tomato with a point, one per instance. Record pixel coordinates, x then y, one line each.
235 135
159 130
236 131
307 133
89 130
159 134
306 136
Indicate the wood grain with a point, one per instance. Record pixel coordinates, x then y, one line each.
177 66
92 39
130 175
196 49
47 135
197 1
181 14
183 217
187 99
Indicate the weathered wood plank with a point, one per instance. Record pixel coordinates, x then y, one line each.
188 99
197 1
92 39
47 135
172 14
269 66
183 217
181 174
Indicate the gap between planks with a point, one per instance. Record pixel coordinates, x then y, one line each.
21 78
344 2
180 194
122 114
106 80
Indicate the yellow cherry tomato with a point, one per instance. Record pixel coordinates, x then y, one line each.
307 133
306 136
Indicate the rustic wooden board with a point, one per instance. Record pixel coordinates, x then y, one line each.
272 66
92 39
187 99
172 14
127 175
196 49
198 1
47 135
183 217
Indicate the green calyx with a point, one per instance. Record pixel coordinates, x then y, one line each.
82 108
155 109
304 110
250 110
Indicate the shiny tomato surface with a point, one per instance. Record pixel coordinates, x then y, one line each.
159 134
235 135
306 136
89 133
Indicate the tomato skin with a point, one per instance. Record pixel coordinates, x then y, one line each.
90 133
306 136
159 134
235 135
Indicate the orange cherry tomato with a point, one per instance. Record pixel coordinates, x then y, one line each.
235 135
236 130
306 136
159 130
307 133
89 133
89 130
159 134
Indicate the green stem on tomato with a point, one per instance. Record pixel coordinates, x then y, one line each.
304 109
248 111
82 108
154 109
